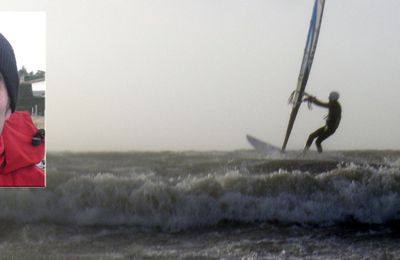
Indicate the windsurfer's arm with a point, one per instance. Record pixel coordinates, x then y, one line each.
320 103
316 101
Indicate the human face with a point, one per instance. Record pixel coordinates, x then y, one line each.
5 110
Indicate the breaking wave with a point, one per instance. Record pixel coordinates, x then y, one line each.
350 193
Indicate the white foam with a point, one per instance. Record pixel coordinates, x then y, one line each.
368 195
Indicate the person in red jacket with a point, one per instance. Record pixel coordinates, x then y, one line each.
21 143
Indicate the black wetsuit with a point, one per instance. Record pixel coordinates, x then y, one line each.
332 123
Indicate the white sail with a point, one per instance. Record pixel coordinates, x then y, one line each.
309 51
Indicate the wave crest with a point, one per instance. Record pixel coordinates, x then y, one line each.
367 195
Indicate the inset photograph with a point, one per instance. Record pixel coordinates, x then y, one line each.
22 99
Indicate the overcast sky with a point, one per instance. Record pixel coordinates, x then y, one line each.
200 75
26 31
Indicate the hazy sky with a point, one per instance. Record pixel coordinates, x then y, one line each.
200 75
26 31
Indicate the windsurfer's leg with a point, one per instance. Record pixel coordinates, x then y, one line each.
324 134
318 144
312 136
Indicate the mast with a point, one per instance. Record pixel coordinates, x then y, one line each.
309 51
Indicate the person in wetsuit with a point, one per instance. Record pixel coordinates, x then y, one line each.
332 120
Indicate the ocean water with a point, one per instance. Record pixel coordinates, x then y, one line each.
207 205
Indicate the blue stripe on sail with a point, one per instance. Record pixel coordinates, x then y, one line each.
311 29
311 32
307 58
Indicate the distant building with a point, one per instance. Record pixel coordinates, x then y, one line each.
39 88
31 100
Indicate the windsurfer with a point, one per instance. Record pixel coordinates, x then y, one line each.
332 120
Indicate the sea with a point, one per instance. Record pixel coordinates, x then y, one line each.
207 205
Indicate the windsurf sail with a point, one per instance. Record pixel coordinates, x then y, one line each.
309 51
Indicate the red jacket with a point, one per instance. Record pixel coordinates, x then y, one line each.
18 157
